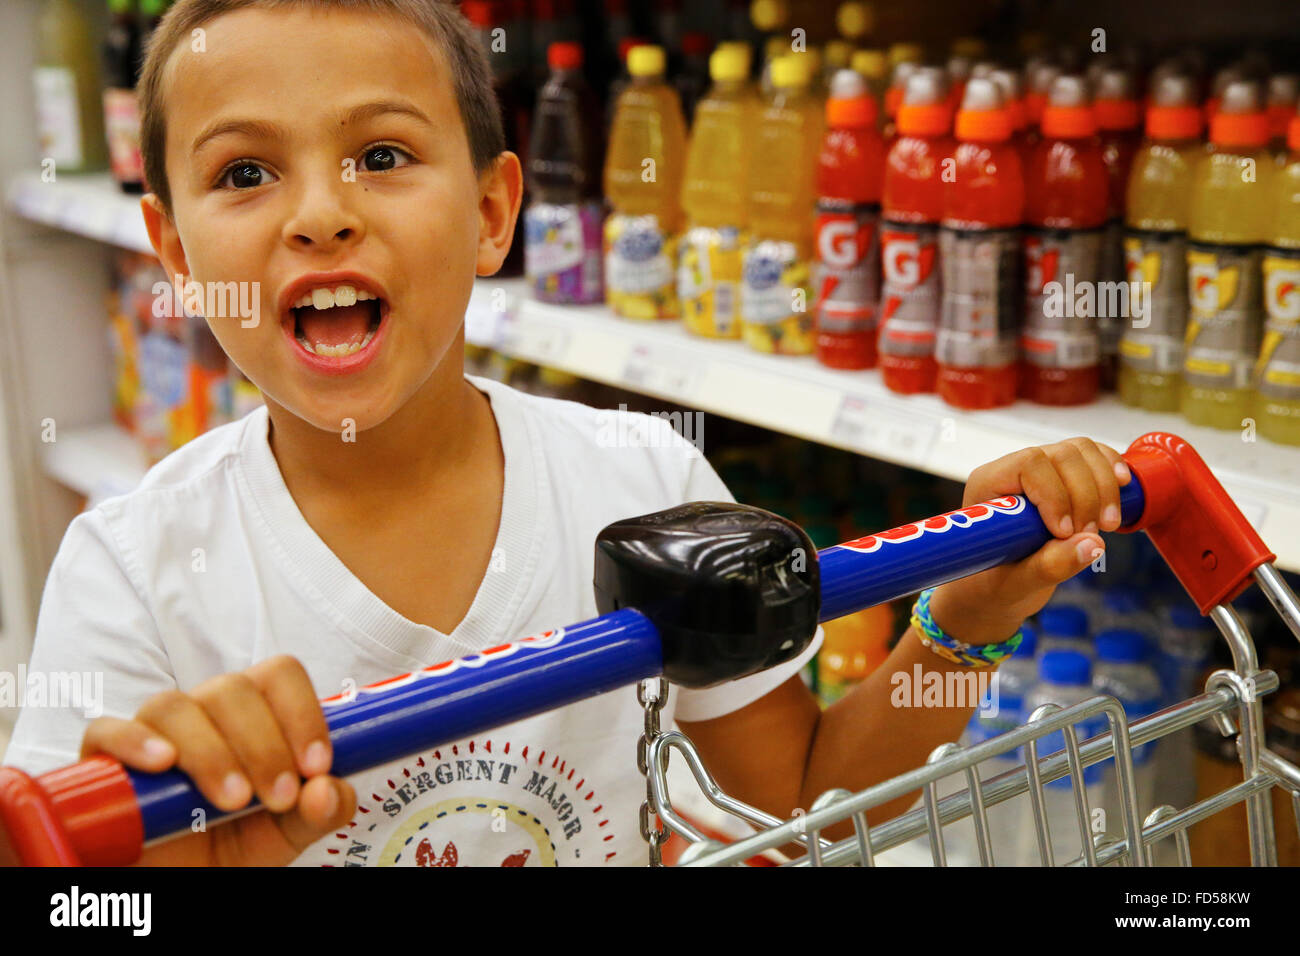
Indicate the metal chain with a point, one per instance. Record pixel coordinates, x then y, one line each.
654 838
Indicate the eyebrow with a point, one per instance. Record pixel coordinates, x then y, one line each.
264 129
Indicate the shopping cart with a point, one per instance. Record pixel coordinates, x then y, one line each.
705 593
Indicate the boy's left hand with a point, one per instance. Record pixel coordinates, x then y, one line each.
1075 486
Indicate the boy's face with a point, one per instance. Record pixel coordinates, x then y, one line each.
299 187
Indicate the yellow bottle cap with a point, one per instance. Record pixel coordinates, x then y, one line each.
870 63
727 64
768 15
854 19
972 47
905 53
646 60
838 54
790 70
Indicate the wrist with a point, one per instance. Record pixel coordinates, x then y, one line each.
973 624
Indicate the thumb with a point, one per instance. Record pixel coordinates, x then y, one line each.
324 804
1057 561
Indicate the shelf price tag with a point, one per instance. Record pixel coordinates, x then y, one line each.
649 371
878 430
533 341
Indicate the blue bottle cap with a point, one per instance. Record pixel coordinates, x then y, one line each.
1063 620
1065 667
1122 646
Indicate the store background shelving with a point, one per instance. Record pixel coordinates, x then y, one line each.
797 396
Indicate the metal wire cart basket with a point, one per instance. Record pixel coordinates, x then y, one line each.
705 593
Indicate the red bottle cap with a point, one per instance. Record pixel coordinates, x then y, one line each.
564 56
1293 134
1174 122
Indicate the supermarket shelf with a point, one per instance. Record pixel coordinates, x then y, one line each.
853 410
89 205
99 461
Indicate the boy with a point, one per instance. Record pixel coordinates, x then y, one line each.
383 512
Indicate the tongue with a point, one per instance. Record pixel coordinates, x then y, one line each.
341 325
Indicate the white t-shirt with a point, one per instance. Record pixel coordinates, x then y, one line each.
209 566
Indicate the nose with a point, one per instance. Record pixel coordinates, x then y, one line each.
323 215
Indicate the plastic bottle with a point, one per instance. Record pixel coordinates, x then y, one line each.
1155 245
1065 679
979 243
643 182
714 197
874 68
1277 376
775 292
121 108
1122 672
1229 220
622 78
911 207
1065 207
893 99
1063 627
69 107
847 278
1119 128
1039 77
1283 97
562 224
1013 98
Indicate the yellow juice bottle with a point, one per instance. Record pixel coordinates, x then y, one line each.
1228 223
776 284
709 266
1155 247
643 183
1277 400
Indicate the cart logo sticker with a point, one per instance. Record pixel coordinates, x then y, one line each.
548 638
962 518
477 803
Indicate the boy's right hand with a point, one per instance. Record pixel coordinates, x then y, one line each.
258 732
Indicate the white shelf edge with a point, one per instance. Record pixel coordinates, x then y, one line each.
854 410
88 204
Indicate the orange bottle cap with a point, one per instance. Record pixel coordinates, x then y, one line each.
1069 122
854 111
991 126
1239 129
1174 122
924 119
1117 114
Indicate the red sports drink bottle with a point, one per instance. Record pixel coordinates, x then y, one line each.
911 206
1065 208
979 246
849 171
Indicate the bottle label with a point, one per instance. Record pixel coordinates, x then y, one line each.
977 326
775 297
1061 270
639 259
909 311
562 251
58 119
1223 327
1111 269
708 280
1278 371
847 279
122 131
1157 261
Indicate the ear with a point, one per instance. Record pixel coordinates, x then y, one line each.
164 238
501 189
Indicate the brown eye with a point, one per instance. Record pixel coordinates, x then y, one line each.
380 159
244 176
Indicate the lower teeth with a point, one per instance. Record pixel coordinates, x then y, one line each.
336 351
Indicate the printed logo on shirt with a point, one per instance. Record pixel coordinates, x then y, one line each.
479 803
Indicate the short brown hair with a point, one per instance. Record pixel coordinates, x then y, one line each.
471 74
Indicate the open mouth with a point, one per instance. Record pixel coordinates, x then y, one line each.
338 323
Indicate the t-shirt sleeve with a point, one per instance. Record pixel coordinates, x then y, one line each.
703 484
97 649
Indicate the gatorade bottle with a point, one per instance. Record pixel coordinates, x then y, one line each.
911 207
643 182
562 226
894 99
1013 101
1065 207
1283 95
1278 372
979 249
1155 246
874 68
708 274
1230 215
1038 82
959 70
847 283
1118 122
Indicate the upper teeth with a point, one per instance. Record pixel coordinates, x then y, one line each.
325 298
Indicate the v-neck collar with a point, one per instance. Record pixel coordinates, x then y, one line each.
360 614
